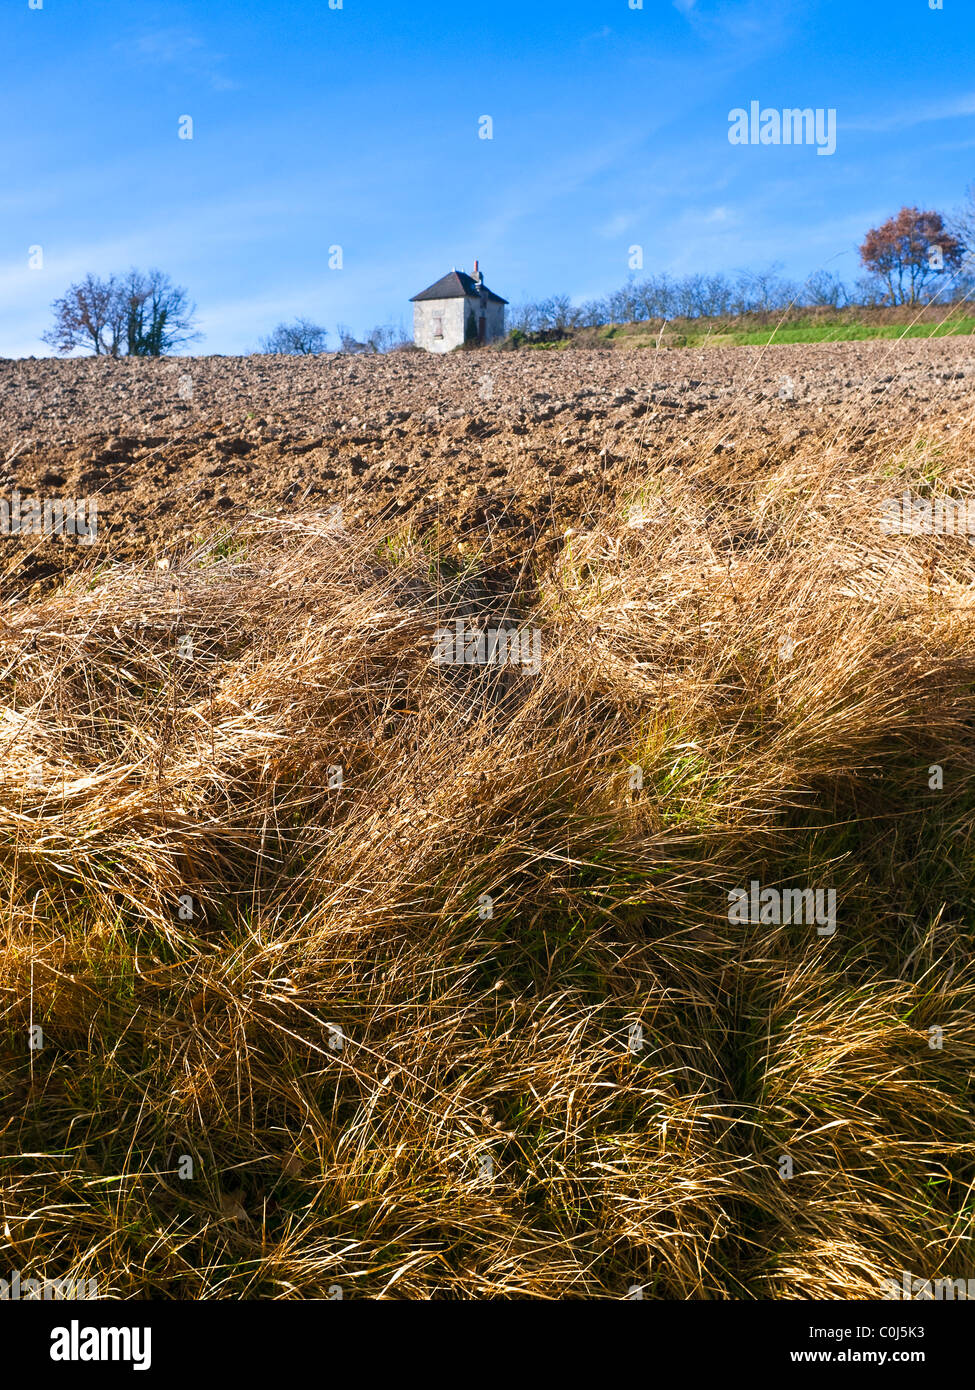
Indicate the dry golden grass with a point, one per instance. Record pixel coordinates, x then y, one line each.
381 1087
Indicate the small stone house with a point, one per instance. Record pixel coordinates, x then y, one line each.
458 309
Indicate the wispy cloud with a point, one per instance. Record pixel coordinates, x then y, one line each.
534 189
617 225
163 46
915 115
747 22
180 47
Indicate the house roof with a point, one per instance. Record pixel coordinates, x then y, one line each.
456 285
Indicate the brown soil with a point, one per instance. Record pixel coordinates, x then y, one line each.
486 446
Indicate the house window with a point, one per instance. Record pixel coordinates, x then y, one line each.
438 325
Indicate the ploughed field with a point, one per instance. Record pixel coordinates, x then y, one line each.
511 446
336 958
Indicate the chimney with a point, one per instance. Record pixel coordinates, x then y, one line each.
478 277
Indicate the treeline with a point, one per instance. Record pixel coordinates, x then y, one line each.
303 338
914 258
144 314
711 296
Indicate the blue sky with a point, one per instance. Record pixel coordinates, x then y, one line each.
358 127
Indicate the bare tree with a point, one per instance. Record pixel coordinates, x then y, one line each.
592 314
764 291
963 223
142 315
557 313
89 315
823 289
653 298
299 339
523 318
385 337
348 340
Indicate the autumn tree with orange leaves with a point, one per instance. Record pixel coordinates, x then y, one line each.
909 252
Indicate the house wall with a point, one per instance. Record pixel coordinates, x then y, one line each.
454 312
424 312
493 317
495 320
